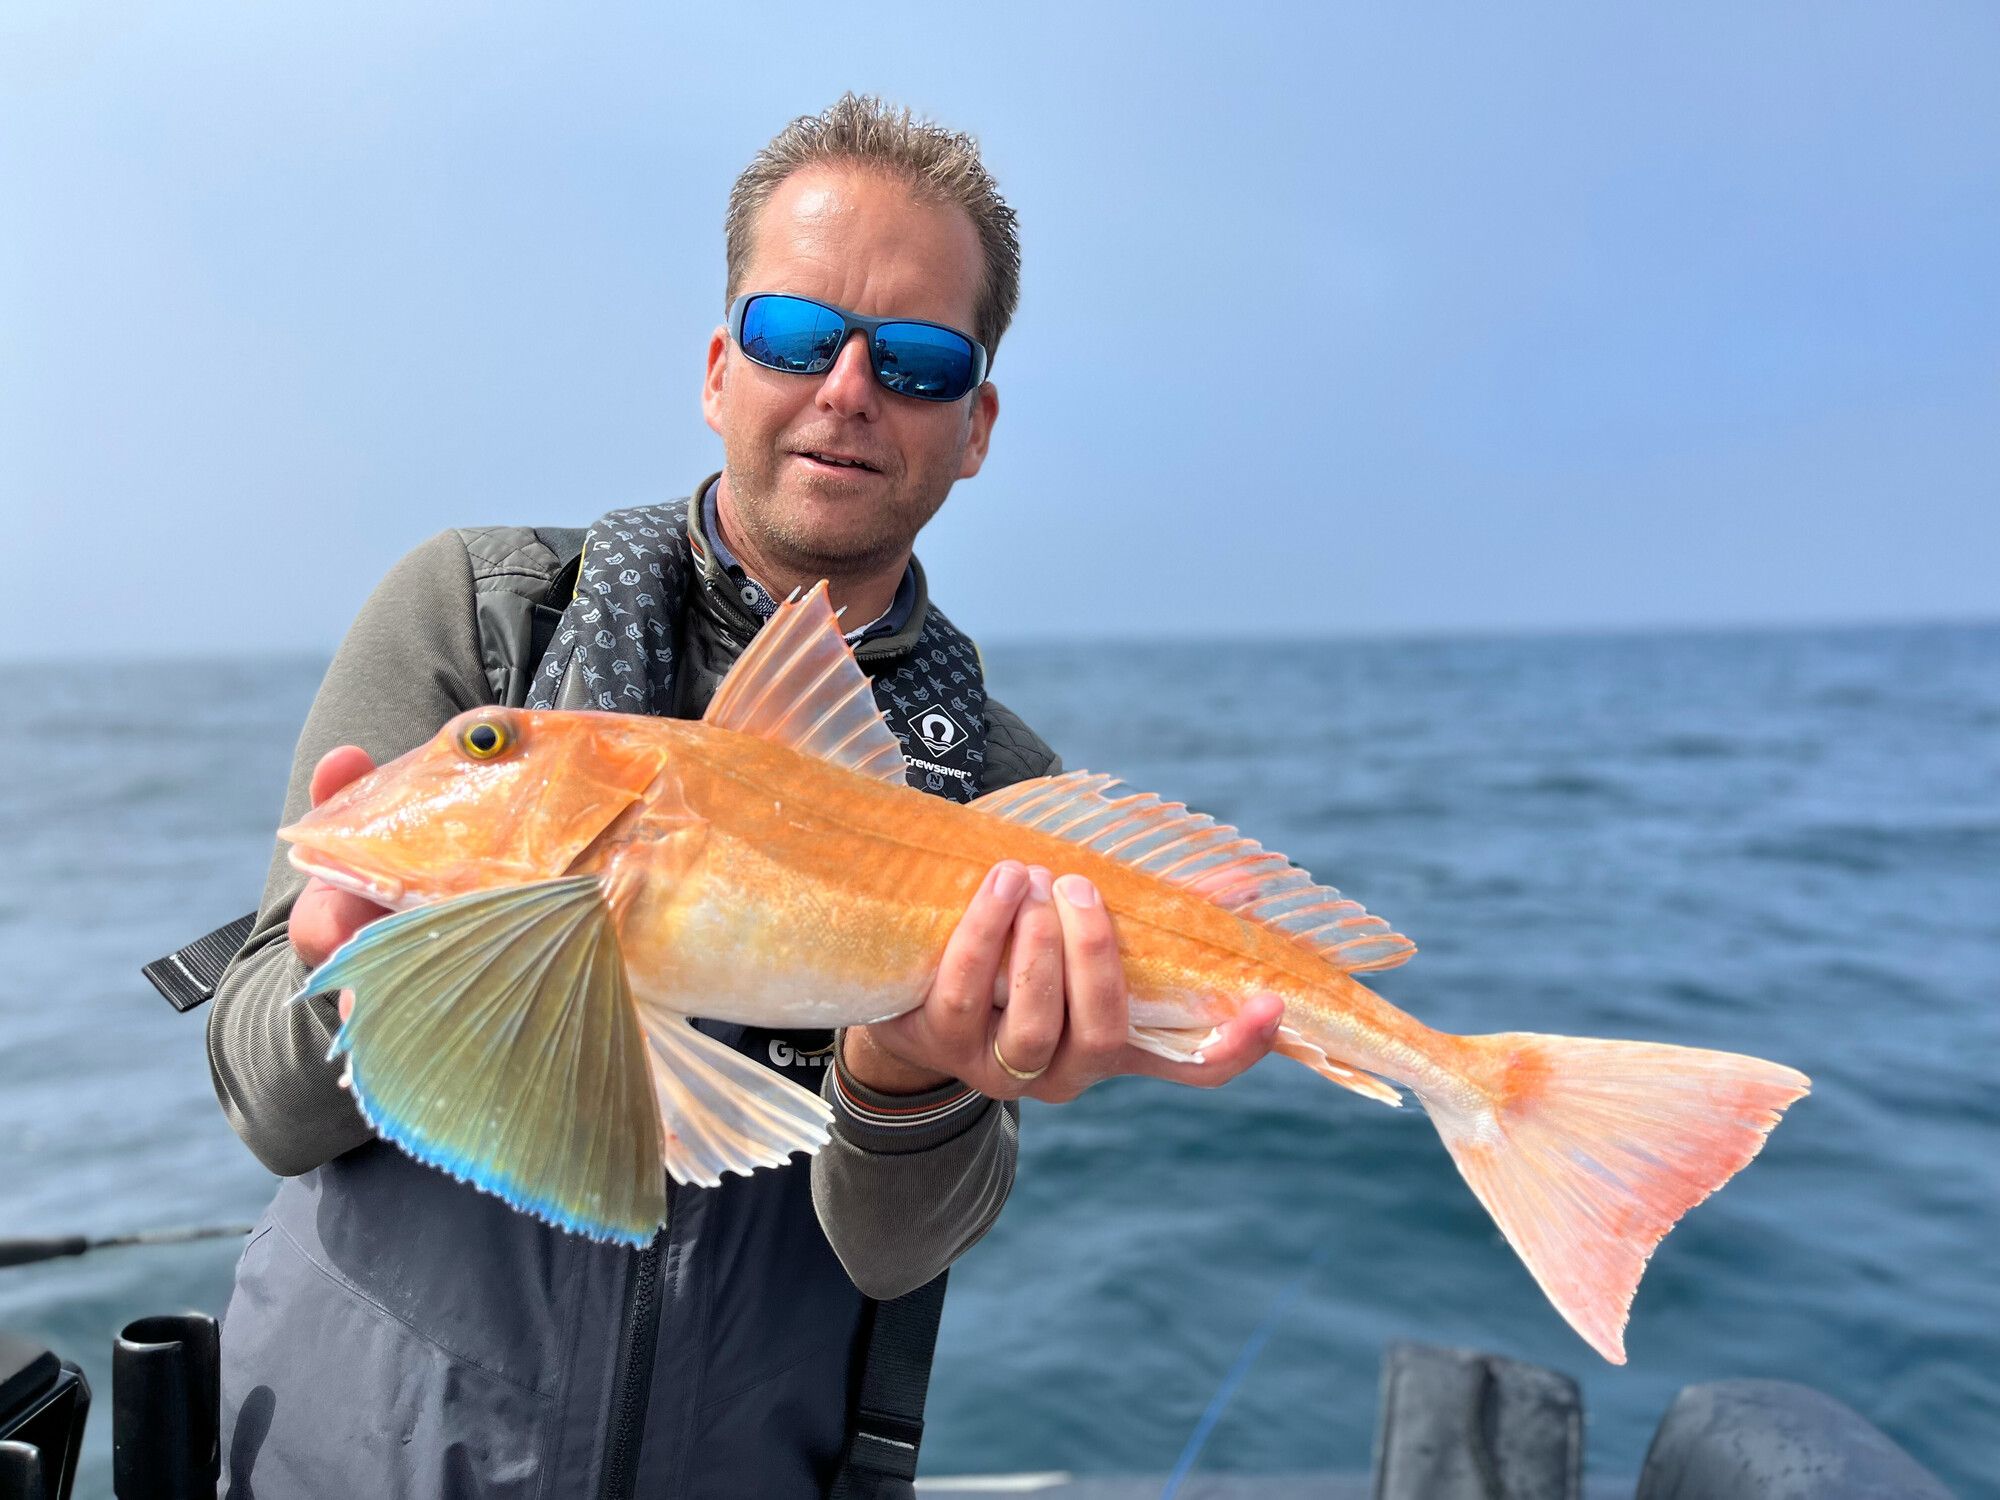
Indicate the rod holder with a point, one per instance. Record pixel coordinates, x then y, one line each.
21 1473
165 1400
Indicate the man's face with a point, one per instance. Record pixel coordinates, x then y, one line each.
856 239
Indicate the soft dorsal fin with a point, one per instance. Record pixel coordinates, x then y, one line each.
1192 850
797 685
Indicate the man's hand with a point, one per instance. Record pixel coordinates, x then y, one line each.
1065 1011
324 916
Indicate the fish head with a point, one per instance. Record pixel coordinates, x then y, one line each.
498 797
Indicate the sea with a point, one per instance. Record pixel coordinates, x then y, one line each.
1778 842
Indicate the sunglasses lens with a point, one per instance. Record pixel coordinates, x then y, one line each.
790 333
916 359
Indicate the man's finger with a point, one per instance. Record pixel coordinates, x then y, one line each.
1241 1042
946 1036
962 995
1031 1027
1099 1020
324 917
340 765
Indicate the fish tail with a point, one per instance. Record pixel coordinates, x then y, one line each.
1587 1152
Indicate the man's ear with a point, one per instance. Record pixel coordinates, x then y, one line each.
985 412
711 382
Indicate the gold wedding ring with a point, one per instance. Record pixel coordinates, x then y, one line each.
1010 1070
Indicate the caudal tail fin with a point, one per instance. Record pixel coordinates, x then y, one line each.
1587 1152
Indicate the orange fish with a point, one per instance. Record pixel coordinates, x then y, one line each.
572 888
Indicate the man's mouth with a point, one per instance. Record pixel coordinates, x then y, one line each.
837 460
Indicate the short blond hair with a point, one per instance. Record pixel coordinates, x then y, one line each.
938 165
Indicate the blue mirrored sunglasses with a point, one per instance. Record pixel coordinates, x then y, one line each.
927 361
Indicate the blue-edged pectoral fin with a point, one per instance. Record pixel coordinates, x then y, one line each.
494 1037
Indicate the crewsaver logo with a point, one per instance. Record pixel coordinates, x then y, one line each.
937 729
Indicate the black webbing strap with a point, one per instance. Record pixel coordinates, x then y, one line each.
888 1425
567 544
188 978
565 541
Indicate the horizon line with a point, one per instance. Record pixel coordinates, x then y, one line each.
1386 636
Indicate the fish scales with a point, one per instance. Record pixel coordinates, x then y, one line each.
819 875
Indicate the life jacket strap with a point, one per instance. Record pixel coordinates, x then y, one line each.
188 977
888 1424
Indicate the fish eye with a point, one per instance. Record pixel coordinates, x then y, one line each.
485 739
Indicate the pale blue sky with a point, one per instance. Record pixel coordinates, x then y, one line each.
1336 318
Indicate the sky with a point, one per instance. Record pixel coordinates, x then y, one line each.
1336 319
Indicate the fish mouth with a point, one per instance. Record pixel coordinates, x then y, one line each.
383 890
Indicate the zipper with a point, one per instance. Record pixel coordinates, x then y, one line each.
633 1386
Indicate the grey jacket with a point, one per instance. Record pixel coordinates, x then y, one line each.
395 1333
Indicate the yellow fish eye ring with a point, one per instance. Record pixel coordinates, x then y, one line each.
486 739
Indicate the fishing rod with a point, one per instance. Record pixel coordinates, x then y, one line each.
1245 1358
26 1251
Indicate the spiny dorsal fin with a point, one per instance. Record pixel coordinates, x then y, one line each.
1193 851
796 684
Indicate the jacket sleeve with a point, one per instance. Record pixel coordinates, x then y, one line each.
410 661
910 1182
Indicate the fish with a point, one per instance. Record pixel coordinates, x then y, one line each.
570 889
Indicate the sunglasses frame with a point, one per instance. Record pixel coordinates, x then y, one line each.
852 323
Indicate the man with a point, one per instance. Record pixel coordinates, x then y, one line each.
394 1332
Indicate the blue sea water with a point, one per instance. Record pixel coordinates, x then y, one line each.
1785 843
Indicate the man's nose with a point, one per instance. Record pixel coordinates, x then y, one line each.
849 388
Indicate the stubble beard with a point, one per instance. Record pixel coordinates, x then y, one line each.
782 528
